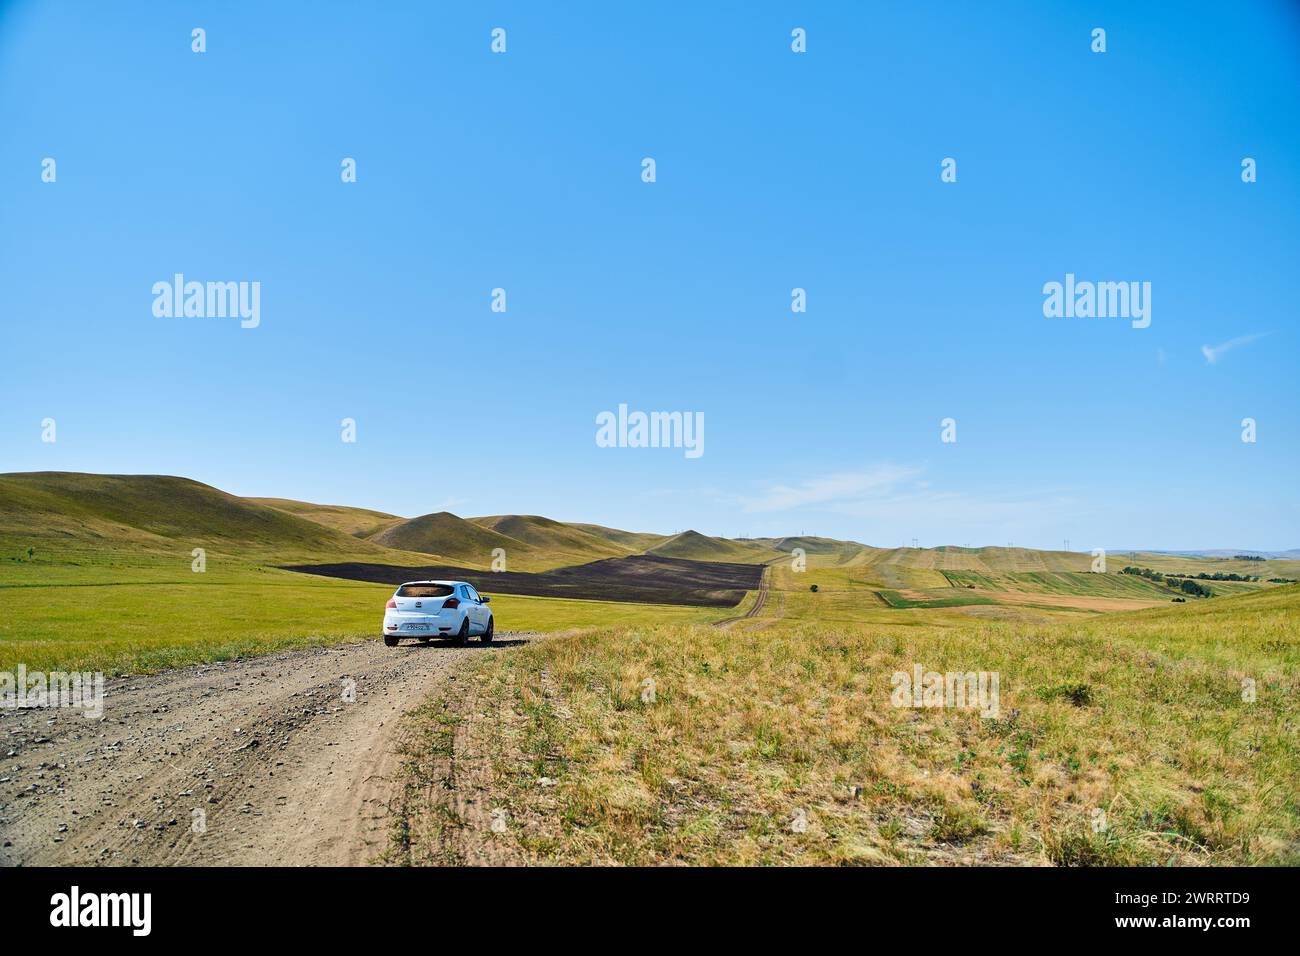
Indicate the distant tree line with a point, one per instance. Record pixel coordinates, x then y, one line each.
1201 576
1143 572
1246 557
1185 582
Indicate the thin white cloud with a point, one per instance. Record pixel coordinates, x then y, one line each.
832 490
890 494
1213 353
952 509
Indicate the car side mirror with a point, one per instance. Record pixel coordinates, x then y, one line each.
485 599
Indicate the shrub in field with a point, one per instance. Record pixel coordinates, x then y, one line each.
1078 694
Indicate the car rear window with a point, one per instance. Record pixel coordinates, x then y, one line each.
424 590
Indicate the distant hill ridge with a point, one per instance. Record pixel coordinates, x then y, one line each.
1289 555
75 512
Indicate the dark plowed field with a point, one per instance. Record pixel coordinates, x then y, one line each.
640 579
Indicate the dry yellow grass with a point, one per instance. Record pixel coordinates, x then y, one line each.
1138 721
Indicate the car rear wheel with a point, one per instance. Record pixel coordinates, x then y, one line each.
462 636
487 635
390 641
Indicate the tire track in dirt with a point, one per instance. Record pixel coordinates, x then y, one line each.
759 602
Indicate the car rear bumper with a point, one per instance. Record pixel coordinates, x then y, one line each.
420 625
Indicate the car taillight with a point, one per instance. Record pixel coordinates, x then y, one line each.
391 603
451 603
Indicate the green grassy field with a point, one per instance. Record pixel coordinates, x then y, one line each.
1059 582
123 619
854 587
955 599
149 615
108 583
1121 739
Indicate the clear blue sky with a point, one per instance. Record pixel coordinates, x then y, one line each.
775 170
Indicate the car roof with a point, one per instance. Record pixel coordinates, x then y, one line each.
448 583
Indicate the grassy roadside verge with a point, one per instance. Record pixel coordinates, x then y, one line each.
1124 739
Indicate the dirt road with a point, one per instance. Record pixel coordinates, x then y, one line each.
272 760
759 602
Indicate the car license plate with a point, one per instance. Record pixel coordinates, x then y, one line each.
418 627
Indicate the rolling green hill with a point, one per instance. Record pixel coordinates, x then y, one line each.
70 513
637 542
814 545
358 522
554 537
448 537
699 547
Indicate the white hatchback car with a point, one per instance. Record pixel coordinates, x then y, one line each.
427 609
